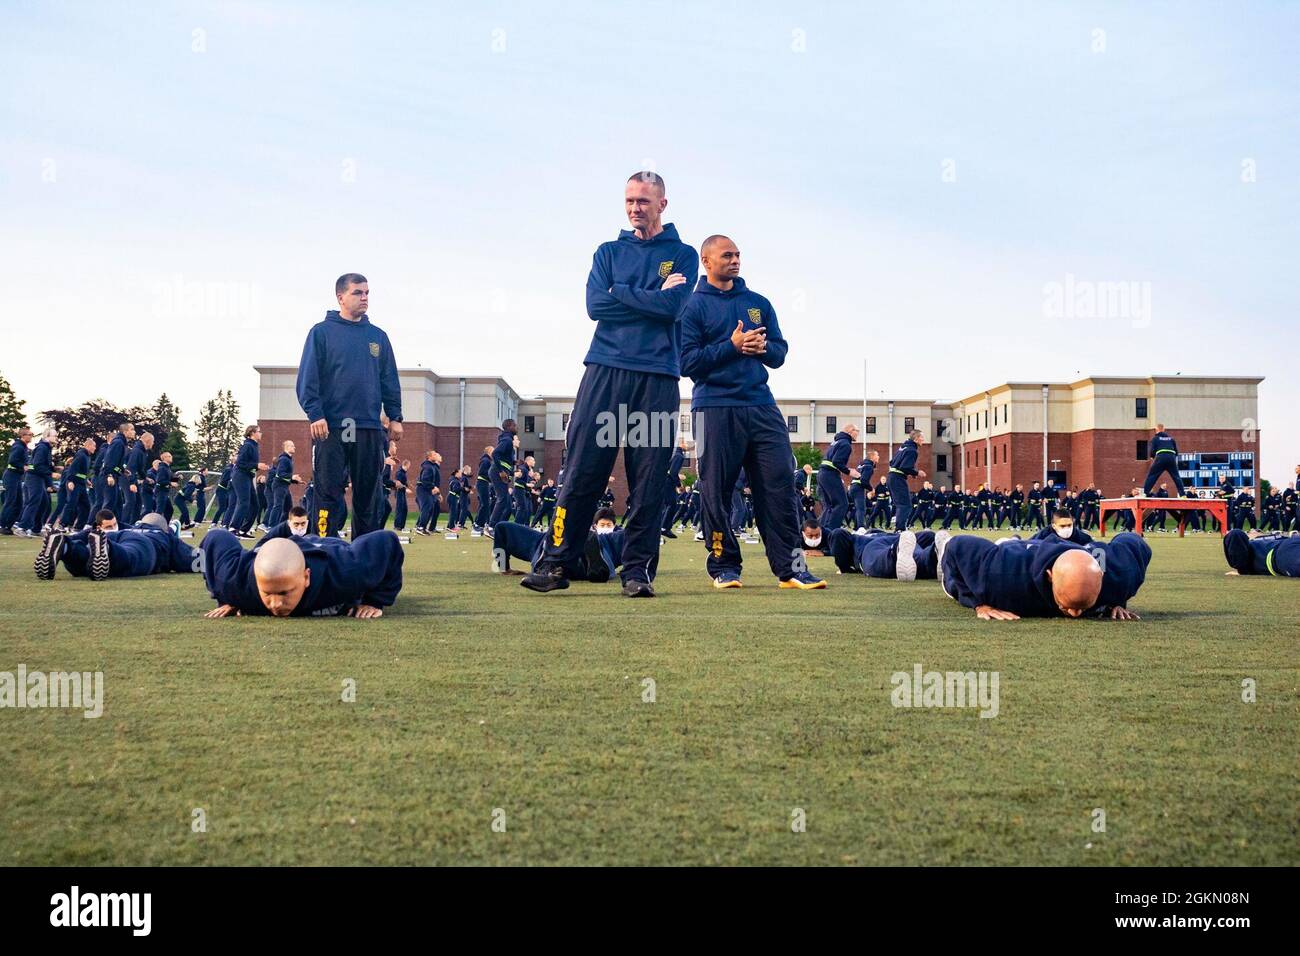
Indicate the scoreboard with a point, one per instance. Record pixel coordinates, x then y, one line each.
1203 471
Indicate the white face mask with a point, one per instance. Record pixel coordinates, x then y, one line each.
600 530
1065 532
812 542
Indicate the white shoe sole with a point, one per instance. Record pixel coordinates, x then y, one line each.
905 559
940 546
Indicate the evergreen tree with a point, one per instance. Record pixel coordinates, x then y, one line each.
11 411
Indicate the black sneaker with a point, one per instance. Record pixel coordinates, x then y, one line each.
543 579
669 534
98 556
47 559
637 588
597 569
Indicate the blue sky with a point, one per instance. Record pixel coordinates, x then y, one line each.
181 183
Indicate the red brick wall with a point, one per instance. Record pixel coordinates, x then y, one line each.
1114 465
1104 456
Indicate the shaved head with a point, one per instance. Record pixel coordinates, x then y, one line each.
1076 582
281 574
154 520
649 178
712 241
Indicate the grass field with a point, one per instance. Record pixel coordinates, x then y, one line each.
473 695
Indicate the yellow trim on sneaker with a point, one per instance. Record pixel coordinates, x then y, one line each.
720 585
792 583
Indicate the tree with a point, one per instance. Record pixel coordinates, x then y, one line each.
808 455
173 439
179 447
11 410
218 432
97 419
208 451
166 414
232 425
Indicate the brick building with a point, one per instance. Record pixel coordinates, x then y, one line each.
1094 430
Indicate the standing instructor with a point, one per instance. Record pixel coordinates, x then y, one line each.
636 289
346 375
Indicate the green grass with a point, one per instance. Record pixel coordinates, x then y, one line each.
473 694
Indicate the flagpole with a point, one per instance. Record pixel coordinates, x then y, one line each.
863 426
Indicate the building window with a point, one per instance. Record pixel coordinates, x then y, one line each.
529 422
792 423
1004 448
870 425
529 451
831 422
1141 449
941 463
564 421
986 418
685 425
1004 414
1141 410
995 454
909 424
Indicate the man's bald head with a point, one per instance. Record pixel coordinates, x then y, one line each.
1076 582
712 242
721 260
281 574
154 520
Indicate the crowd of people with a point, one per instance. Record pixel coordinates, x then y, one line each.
656 319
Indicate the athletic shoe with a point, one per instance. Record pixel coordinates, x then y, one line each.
669 534
544 579
940 546
98 556
699 536
47 559
637 588
803 581
727 579
175 526
23 533
905 559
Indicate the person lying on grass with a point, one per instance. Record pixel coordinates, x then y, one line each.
1256 553
1014 579
302 576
